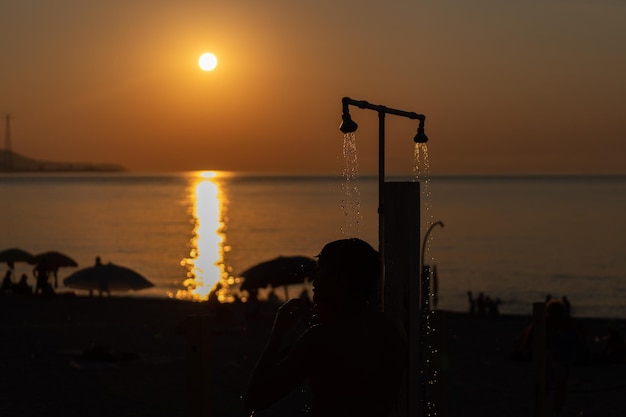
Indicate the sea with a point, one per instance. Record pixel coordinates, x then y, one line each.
515 238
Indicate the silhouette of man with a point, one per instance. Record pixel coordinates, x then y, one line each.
472 303
40 272
352 357
566 346
480 303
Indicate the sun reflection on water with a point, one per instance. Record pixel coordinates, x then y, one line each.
205 265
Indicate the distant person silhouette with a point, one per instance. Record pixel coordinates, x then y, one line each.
22 287
566 303
40 272
55 274
7 282
614 349
566 346
492 306
352 357
472 303
11 269
102 285
481 306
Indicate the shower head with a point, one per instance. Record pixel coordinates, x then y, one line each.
347 124
420 137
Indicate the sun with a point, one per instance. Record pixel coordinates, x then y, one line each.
207 61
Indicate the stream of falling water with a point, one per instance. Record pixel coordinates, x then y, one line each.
351 203
429 375
421 171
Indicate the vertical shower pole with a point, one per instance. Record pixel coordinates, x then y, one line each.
381 203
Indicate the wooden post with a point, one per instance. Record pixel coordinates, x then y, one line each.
539 358
402 281
199 366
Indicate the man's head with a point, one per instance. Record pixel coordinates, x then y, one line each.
347 269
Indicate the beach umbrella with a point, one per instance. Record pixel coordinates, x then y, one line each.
14 255
280 271
106 278
53 260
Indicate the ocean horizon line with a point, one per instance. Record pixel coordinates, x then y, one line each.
324 175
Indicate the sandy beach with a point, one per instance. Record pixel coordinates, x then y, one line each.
78 356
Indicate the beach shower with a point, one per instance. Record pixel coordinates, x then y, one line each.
349 126
402 293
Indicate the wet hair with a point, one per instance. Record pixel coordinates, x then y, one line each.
357 262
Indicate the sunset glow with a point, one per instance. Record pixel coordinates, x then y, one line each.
505 87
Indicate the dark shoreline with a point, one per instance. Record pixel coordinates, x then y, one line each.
11 162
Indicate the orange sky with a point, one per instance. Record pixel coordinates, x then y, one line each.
529 86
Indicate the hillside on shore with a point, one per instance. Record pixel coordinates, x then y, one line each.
13 162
